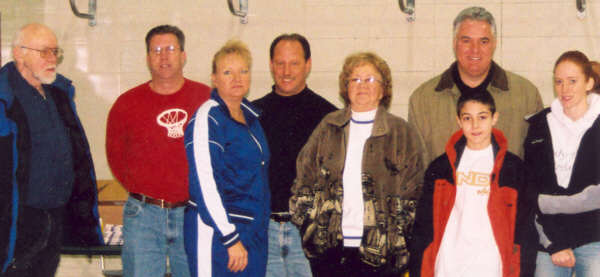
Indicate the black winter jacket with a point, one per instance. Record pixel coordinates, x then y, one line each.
563 230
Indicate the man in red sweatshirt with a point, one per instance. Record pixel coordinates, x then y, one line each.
144 145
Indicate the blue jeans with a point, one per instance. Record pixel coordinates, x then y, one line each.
151 234
286 257
587 263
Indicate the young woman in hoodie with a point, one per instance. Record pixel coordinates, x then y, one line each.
562 158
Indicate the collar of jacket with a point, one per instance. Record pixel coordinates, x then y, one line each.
457 143
499 78
539 116
342 118
7 95
245 105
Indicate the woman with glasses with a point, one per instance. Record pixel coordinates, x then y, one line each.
226 229
358 179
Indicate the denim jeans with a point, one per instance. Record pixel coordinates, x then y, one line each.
587 263
286 257
151 234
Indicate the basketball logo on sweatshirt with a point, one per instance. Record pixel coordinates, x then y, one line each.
173 120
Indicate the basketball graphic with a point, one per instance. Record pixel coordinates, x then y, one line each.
173 120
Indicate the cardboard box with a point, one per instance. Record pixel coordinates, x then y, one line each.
111 198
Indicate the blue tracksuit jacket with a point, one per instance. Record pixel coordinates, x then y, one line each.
229 189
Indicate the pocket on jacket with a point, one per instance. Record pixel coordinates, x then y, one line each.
241 217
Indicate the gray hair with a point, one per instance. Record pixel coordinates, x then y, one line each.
474 13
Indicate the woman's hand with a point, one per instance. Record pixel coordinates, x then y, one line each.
564 258
238 257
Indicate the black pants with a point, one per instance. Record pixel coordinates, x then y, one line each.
39 239
345 262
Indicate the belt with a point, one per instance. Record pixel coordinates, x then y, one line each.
281 217
158 202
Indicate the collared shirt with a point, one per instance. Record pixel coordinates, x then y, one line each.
52 174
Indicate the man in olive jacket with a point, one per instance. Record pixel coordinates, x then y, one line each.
432 106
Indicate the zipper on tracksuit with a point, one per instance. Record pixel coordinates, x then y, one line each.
262 154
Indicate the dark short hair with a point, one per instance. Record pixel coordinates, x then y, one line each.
166 29
291 37
481 96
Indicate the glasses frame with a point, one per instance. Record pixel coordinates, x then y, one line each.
368 81
46 52
167 49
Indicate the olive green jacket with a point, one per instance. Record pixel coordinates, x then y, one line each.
392 176
432 108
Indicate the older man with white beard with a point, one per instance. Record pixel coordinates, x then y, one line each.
47 183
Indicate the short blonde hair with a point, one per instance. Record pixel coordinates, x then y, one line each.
232 46
362 58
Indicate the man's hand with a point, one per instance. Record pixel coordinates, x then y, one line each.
238 257
564 258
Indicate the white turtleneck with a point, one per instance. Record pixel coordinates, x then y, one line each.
566 135
361 125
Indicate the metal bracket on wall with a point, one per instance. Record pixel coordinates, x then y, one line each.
580 8
408 9
91 9
241 12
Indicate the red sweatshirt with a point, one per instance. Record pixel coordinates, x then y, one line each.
143 154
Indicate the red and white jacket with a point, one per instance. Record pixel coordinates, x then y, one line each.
511 216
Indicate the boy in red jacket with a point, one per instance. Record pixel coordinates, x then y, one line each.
467 216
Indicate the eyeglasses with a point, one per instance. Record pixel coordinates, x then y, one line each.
47 52
167 49
368 81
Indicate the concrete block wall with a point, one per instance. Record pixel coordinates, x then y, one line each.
106 60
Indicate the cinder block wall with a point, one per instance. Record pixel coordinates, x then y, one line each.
105 60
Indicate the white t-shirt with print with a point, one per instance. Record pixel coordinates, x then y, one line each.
468 246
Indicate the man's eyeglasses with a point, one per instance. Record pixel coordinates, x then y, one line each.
167 49
368 81
47 52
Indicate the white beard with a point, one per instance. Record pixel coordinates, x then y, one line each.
45 79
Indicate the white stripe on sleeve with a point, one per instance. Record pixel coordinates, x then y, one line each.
204 170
